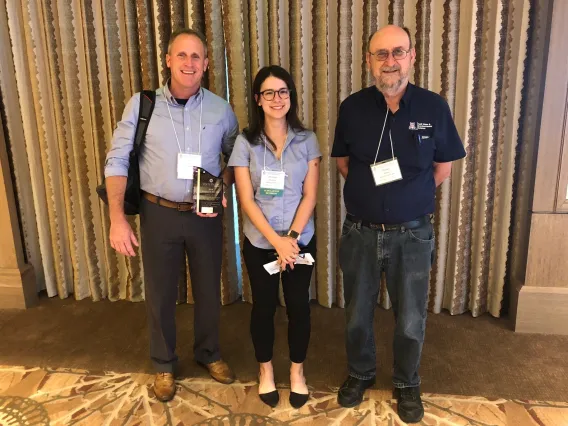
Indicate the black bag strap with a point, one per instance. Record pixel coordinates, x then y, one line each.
147 102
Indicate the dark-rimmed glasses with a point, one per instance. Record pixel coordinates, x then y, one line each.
269 94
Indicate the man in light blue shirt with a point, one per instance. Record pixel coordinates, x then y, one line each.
190 126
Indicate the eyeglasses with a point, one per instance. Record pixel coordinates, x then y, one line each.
269 94
397 54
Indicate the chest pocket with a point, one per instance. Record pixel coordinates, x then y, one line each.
296 165
424 146
211 138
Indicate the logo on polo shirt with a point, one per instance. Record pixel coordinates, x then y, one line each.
419 126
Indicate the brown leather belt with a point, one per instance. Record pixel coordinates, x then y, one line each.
182 207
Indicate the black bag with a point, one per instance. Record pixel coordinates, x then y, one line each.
132 194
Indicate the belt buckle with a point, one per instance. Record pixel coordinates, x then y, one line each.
181 207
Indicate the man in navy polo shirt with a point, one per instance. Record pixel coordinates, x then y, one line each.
394 144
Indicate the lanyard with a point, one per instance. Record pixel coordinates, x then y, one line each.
281 155
381 139
190 132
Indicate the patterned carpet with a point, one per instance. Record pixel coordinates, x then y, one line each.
36 396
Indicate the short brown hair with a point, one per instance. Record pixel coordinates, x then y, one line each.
188 31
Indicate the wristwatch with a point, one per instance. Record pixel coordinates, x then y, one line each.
293 234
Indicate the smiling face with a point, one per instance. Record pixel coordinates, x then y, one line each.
274 88
391 75
187 63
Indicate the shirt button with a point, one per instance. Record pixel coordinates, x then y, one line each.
387 210
187 128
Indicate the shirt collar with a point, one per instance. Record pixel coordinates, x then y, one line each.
172 100
290 137
404 101
291 134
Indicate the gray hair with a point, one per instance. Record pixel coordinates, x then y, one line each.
406 30
187 31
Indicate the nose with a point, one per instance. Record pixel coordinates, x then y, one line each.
390 61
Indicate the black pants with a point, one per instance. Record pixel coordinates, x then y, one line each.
296 285
167 236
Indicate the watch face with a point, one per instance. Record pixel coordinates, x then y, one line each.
293 234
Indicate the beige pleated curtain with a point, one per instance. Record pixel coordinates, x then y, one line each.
67 69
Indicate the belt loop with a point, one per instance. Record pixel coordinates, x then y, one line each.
383 226
358 225
158 198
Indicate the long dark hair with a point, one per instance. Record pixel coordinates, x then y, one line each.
256 126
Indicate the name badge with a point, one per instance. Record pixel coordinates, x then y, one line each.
386 171
272 183
186 163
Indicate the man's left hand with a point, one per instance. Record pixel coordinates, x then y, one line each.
224 202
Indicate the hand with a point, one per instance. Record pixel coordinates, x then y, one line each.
287 249
224 202
206 214
121 237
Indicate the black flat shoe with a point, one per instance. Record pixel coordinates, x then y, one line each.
297 400
270 398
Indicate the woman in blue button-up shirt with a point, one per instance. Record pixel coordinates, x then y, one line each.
276 162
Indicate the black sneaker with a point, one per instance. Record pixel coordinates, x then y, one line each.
410 408
351 391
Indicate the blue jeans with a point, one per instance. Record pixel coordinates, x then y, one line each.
405 256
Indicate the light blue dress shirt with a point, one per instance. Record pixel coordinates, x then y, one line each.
159 153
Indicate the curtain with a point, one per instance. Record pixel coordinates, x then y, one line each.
67 69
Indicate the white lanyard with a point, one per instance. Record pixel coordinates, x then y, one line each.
281 154
190 132
272 182
381 139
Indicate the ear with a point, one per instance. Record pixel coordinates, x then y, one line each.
256 99
368 60
168 60
206 64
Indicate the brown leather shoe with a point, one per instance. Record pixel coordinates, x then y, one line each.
164 386
220 371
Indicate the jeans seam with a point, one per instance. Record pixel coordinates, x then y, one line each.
360 376
420 240
400 385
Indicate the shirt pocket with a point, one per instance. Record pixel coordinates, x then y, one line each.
211 138
296 166
424 147
255 170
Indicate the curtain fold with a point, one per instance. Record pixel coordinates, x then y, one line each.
68 69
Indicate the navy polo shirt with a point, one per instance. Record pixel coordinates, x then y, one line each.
423 132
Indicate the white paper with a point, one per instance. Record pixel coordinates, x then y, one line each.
306 260
273 267
386 172
186 163
272 179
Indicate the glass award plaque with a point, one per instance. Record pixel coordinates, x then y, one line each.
207 191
